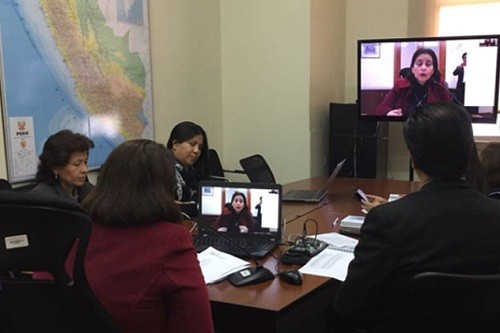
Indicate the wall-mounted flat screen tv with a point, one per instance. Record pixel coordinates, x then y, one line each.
397 75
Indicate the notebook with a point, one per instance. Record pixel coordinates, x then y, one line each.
351 225
258 231
313 195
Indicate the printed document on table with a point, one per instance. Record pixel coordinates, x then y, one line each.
337 241
216 265
329 263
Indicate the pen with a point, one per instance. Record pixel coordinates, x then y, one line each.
335 222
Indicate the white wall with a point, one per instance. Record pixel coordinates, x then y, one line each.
265 78
185 45
377 19
327 75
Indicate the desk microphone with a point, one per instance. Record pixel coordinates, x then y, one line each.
453 97
246 276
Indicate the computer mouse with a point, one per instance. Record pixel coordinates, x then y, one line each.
291 276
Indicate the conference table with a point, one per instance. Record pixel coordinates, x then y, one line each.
276 306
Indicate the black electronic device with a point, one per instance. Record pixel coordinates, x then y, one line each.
384 63
262 213
294 258
308 246
246 276
363 142
250 275
291 276
313 195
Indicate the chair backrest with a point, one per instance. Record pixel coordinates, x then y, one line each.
215 164
217 172
444 302
37 234
257 169
25 187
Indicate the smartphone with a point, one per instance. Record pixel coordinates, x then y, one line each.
360 195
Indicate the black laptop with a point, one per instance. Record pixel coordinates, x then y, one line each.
262 232
313 195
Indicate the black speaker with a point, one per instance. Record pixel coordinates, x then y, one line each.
363 143
344 121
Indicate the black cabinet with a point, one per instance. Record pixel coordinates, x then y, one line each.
363 143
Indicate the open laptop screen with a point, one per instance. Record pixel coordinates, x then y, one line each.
250 208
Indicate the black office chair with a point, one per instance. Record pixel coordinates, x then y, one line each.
26 187
443 302
5 184
217 172
257 169
37 233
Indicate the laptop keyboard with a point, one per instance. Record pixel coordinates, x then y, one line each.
256 248
306 194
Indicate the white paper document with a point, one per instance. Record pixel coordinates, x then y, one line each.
330 263
216 265
394 197
337 241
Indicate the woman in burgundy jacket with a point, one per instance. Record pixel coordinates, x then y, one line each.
140 261
236 216
421 86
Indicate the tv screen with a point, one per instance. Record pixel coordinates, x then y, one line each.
395 76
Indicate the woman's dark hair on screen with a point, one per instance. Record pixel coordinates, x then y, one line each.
240 194
57 151
437 75
440 139
184 131
135 186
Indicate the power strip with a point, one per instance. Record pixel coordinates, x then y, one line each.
308 246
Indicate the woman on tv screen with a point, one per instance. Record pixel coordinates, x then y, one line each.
420 85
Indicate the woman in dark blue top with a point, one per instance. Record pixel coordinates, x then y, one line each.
189 145
63 169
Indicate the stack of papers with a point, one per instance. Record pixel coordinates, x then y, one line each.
338 242
351 224
216 265
329 263
334 260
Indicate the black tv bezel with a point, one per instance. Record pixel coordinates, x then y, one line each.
368 117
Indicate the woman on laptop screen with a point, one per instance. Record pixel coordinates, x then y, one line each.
422 85
236 216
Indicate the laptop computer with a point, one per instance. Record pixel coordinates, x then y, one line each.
248 213
313 195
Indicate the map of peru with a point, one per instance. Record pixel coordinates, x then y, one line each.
102 83
82 65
